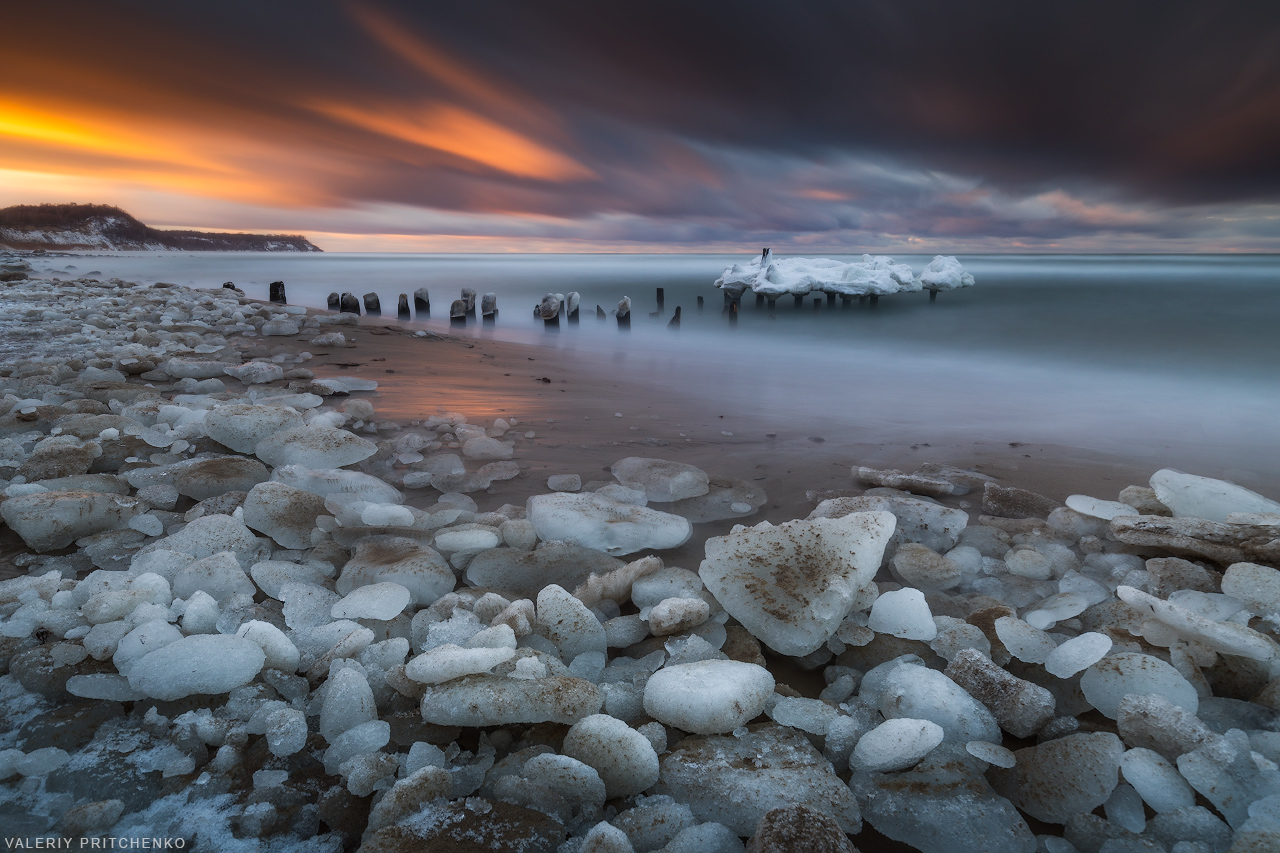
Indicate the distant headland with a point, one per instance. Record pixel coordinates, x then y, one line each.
105 227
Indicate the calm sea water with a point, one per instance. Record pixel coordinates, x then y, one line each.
1175 358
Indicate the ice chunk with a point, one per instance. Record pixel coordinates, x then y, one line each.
218 575
241 426
285 513
400 560
737 780
47 521
473 538
944 273
903 613
348 703
1112 678
568 623
1256 587
525 573
347 486
1024 642
1096 508
212 534
1189 496
1077 654
624 758
708 697
206 663
103 685
594 521
281 653
661 481
896 745
447 662
992 753
314 446
1225 637
486 447
792 585
564 482
1156 780
257 372
916 692
496 700
930 524
1062 777
384 600
924 569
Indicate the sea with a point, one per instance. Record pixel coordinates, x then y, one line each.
1167 359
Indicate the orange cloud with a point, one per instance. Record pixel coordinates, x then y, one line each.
463 134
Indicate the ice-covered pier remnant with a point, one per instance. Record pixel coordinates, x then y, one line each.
873 276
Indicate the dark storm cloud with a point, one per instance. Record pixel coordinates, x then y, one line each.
713 122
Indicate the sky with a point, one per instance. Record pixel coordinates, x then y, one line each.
894 126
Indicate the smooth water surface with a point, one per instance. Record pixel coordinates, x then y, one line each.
1169 357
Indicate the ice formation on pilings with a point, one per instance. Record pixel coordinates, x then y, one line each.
874 275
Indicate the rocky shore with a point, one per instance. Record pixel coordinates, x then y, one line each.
258 599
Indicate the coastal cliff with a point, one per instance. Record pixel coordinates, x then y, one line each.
104 227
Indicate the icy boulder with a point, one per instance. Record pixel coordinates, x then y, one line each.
241 426
660 480
797 276
203 664
449 661
397 559
594 521
737 780
47 521
496 700
896 745
525 573
1189 496
708 697
286 514
568 624
211 534
945 273
257 372
314 446
791 585
201 479
346 486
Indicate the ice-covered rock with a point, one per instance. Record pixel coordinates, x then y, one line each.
736 780
47 521
203 664
798 276
662 481
314 446
496 700
1189 496
241 426
624 758
594 521
791 585
896 744
708 697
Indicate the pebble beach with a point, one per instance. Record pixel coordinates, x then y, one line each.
277 578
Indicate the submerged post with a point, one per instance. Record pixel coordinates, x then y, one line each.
772 302
600 315
277 293
933 296
759 300
402 307
817 303
469 299
675 320
799 300
372 306
422 302
661 298
733 312
334 302
458 313
572 303
875 300
349 304
699 303
831 300
489 305
624 313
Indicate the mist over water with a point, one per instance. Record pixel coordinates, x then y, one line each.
1167 358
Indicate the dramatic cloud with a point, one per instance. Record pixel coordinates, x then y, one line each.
660 125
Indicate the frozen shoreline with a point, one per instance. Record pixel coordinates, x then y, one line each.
247 583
